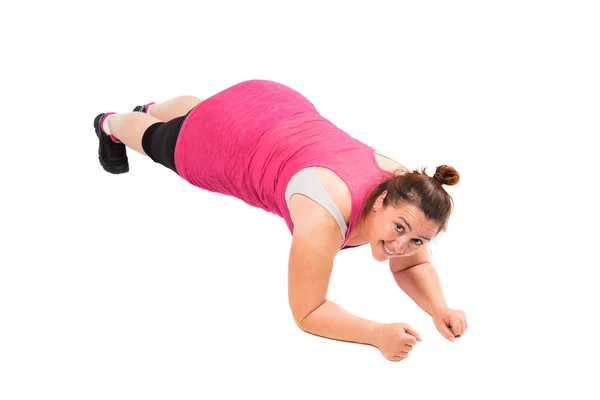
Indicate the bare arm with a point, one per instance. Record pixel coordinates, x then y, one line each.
418 279
422 284
331 321
315 243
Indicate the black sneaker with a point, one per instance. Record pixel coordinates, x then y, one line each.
143 108
112 155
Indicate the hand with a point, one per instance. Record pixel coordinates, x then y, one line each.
451 323
395 341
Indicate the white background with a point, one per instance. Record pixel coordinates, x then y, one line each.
141 286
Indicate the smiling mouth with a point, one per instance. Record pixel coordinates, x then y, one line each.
385 248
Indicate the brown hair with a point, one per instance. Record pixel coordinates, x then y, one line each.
421 190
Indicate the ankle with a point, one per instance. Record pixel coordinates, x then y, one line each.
148 106
105 126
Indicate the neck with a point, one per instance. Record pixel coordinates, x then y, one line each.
360 232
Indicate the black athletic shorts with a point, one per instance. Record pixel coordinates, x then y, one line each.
159 141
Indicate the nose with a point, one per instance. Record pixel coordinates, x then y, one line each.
400 245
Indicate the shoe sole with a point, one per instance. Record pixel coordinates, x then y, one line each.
113 169
120 169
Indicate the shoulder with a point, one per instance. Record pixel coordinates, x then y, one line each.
337 190
314 224
307 215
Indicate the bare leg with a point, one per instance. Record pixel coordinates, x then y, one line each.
174 108
130 127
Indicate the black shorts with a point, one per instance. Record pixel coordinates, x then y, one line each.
159 141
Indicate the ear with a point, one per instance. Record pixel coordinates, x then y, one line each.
379 201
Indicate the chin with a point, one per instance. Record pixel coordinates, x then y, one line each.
377 255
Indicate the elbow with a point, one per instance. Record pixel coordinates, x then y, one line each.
303 324
299 318
301 315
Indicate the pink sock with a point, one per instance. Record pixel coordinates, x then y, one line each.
106 129
148 106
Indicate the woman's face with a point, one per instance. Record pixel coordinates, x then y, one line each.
398 232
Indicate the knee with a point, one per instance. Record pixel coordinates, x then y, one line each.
188 101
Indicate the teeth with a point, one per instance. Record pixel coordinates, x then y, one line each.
391 253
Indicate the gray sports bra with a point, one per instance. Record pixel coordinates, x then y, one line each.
305 182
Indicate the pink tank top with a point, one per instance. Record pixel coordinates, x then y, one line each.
250 139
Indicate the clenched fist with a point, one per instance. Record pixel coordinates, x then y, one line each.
395 341
451 323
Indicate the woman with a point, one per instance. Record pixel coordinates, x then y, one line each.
267 145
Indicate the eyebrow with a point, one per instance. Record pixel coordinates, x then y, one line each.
409 227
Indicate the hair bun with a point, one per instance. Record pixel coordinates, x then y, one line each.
446 175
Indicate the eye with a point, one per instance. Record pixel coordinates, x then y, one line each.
399 228
418 241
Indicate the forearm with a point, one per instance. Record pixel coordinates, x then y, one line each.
331 321
422 284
